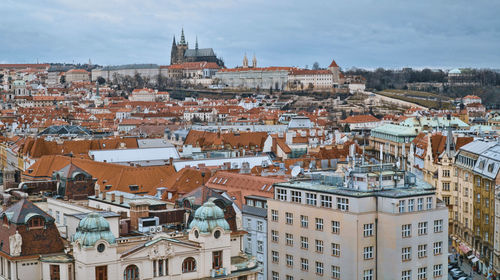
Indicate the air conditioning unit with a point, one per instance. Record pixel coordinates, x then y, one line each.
159 229
152 229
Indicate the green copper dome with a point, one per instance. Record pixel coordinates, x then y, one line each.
208 217
93 228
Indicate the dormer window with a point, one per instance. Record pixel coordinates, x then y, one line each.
36 223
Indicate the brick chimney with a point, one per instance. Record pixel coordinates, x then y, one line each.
138 210
113 197
121 199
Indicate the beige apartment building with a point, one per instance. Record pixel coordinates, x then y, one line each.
377 222
477 168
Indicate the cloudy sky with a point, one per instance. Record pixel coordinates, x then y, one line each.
360 33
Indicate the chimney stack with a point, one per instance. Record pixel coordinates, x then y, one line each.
113 197
121 199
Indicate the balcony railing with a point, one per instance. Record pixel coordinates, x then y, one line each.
218 272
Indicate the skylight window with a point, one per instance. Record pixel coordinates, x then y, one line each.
263 187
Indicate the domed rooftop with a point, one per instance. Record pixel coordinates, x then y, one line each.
455 71
208 217
92 229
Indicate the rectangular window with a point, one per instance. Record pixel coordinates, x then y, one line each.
304 264
446 186
319 268
311 199
216 260
406 254
429 203
319 224
289 218
260 226
275 256
304 242
422 273
438 248
326 201
401 206
289 260
446 173
274 235
289 239
296 196
260 246
304 221
368 274
335 272
406 230
406 275
367 230
289 277
411 205
342 204
319 246
422 228
274 215
281 194
276 275
422 250
438 270
336 227
335 249
420 204
438 225
368 252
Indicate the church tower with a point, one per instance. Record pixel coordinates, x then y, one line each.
245 61
254 62
173 53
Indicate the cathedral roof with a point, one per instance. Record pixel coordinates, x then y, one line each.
199 52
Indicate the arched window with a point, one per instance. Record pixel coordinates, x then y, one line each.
36 222
189 265
131 273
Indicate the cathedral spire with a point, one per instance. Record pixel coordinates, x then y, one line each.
245 61
196 46
183 39
173 42
254 62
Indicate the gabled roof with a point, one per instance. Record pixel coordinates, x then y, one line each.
199 52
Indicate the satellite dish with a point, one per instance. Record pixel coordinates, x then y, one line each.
295 171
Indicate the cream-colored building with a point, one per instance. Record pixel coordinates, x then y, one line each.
77 75
358 228
208 249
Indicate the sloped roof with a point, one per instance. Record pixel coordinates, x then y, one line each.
119 177
360 119
199 52
20 212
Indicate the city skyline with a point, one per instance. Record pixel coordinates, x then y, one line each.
365 34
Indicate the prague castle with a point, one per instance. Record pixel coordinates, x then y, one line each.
182 53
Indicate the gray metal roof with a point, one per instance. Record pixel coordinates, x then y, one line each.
488 163
199 52
478 146
254 211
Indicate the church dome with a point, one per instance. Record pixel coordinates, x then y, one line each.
93 228
208 217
